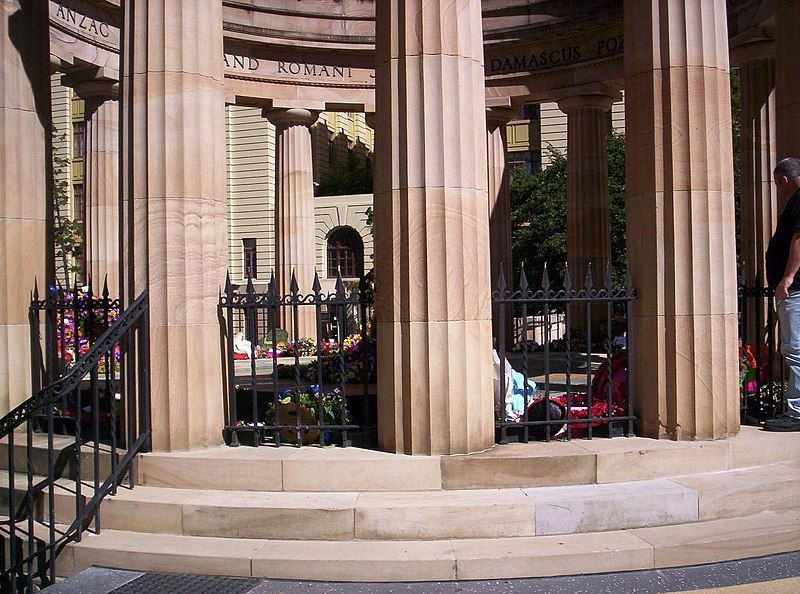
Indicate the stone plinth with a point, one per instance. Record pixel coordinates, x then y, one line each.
499 193
24 137
294 214
431 229
175 208
680 219
101 181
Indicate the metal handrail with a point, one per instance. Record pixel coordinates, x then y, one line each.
36 568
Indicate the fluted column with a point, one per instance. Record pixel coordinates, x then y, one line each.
680 218
24 131
101 181
588 211
787 80
295 229
499 194
759 202
431 229
175 207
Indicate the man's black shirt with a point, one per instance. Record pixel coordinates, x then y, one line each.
778 250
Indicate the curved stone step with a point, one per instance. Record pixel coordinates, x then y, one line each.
535 464
424 560
443 514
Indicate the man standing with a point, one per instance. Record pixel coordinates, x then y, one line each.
783 262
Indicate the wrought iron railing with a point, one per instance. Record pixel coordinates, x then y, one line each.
79 470
576 379
64 324
300 367
761 368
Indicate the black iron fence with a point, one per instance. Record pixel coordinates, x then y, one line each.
99 395
64 324
572 377
762 386
300 367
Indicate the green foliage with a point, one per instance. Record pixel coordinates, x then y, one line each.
615 154
539 215
67 232
539 218
353 178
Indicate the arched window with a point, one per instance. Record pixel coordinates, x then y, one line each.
345 253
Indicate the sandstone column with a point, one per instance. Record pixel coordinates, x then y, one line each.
24 136
102 181
588 212
175 207
432 229
499 213
787 80
680 218
295 228
759 203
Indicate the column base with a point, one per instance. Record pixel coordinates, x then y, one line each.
437 399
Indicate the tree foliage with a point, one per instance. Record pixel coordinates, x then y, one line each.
539 214
353 178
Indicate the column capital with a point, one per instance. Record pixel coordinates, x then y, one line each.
293 116
94 91
499 116
595 96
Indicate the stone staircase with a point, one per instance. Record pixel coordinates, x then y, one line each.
520 510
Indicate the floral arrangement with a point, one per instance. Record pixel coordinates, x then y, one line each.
352 361
331 403
751 374
80 331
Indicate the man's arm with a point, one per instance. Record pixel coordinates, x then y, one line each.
792 265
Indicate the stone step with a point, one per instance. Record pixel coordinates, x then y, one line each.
423 560
443 514
535 464
63 456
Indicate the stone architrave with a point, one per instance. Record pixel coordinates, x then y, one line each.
680 219
295 229
759 202
787 80
588 211
174 208
499 193
24 138
102 181
431 229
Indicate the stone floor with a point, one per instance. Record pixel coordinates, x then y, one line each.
778 574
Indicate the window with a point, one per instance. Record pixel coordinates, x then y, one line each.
250 260
78 140
79 204
345 253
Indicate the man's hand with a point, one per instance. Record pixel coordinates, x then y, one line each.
782 290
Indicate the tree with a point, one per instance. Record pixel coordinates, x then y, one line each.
67 232
539 215
539 218
353 178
